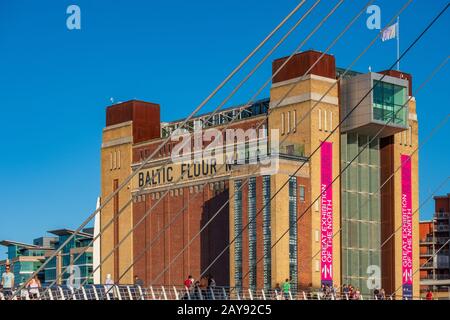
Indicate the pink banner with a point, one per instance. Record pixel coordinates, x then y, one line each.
326 209
407 244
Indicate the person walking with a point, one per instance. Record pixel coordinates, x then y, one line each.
138 281
7 282
277 291
429 295
382 294
286 289
109 286
33 288
189 282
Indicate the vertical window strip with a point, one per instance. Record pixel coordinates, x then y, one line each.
288 122
294 129
237 230
267 235
331 120
282 123
118 159
410 136
325 127
252 232
302 193
320 119
293 271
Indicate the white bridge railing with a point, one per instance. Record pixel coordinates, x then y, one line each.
135 292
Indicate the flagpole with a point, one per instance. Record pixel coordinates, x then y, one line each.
398 43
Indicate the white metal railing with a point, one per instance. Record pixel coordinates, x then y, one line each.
134 292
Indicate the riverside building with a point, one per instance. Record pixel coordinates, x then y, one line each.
337 239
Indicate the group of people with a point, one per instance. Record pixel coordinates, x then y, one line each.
282 291
30 291
205 287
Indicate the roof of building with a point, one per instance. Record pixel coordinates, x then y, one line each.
442 197
8 243
63 232
261 101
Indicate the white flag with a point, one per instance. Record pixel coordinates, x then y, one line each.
389 33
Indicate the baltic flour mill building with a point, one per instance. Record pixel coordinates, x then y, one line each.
268 212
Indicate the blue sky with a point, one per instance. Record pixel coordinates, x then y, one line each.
56 83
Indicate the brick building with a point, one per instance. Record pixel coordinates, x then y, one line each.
434 250
337 239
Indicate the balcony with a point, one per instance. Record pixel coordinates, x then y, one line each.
428 253
442 228
442 215
441 240
427 240
428 265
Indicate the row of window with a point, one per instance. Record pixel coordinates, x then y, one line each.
238 233
219 186
406 137
267 234
266 230
293 263
115 160
252 233
288 122
325 120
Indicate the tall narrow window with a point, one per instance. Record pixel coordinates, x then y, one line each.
252 233
267 235
116 228
288 122
293 271
282 123
325 127
294 128
331 120
410 136
320 119
302 193
238 234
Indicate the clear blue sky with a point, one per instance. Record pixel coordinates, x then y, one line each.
56 83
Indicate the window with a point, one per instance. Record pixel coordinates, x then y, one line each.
267 240
389 103
282 123
302 193
252 233
360 208
238 234
320 119
331 120
325 120
294 128
288 122
410 136
293 271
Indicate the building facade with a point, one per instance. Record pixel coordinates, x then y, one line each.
25 259
434 250
271 210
